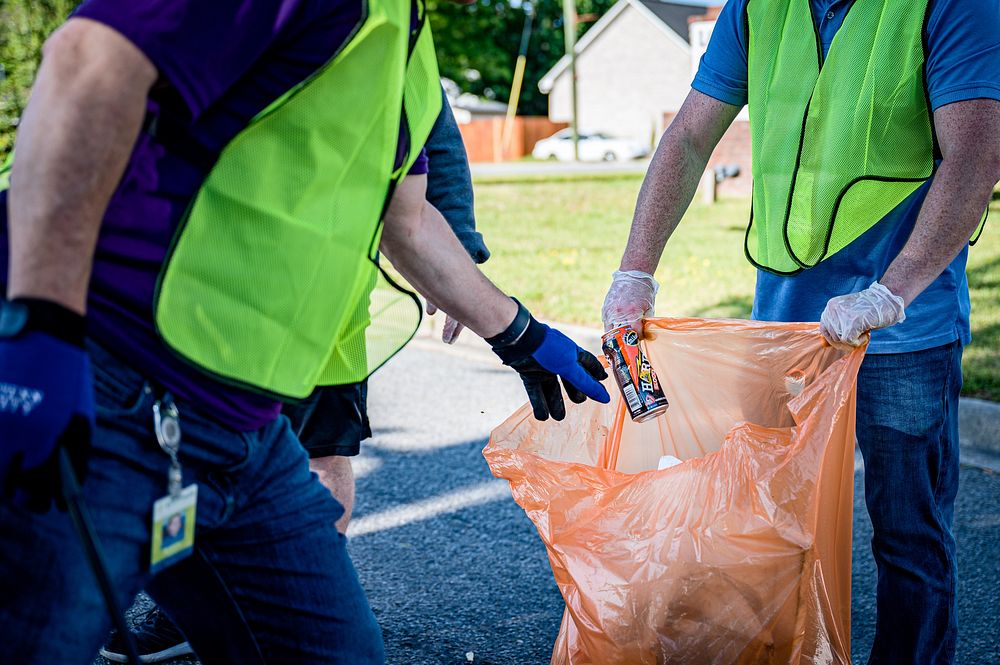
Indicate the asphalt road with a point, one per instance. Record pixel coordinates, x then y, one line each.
455 570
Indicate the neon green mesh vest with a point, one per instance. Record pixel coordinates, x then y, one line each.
836 145
272 281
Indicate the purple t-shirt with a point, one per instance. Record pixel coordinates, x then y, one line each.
220 62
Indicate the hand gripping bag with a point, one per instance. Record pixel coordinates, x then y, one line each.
742 553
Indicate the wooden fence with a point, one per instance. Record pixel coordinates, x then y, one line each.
483 137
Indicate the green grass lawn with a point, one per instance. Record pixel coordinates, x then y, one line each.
555 244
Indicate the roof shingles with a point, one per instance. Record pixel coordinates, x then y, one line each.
674 15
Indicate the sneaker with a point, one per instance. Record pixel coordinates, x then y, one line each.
156 637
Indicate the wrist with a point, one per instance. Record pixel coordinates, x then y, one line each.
639 276
521 338
907 291
637 264
23 315
514 330
491 321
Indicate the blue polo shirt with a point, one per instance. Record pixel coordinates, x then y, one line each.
963 62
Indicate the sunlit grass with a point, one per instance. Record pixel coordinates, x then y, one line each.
555 244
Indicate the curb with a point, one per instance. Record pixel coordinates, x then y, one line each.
978 419
979 425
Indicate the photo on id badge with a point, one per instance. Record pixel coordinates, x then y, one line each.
173 528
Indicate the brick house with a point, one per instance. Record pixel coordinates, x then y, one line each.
634 69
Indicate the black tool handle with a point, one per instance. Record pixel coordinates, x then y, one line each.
92 546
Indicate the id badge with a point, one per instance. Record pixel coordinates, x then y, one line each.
173 528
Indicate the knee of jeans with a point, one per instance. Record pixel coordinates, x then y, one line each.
909 531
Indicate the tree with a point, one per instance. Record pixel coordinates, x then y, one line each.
477 45
26 24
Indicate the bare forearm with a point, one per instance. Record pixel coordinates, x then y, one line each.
950 214
85 112
666 193
955 202
425 250
673 177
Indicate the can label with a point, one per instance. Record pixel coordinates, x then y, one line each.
635 376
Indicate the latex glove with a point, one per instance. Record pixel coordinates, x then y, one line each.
847 318
46 400
452 328
543 356
630 299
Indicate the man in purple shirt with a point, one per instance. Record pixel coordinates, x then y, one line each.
333 421
131 103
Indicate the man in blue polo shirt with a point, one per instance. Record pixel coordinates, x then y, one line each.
902 276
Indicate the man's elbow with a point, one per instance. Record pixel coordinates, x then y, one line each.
407 204
969 136
399 230
985 171
66 43
992 167
92 56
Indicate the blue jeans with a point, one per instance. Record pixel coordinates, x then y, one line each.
270 580
907 425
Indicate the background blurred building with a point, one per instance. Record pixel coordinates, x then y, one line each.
634 69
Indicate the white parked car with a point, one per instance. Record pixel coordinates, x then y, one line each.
594 147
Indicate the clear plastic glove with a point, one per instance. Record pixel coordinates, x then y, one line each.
452 328
630 299
847 318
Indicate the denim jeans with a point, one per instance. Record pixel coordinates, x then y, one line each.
270 580
907 425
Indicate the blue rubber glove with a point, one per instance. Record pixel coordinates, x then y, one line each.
543 356
46 400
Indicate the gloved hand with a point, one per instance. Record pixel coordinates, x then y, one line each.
541 354
46 399
452 328
846 318
630 298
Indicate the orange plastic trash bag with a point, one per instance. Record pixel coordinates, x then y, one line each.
740 554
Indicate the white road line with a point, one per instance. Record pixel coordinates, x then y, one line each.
428 508
450 502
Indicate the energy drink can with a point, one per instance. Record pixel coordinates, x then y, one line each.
635 376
